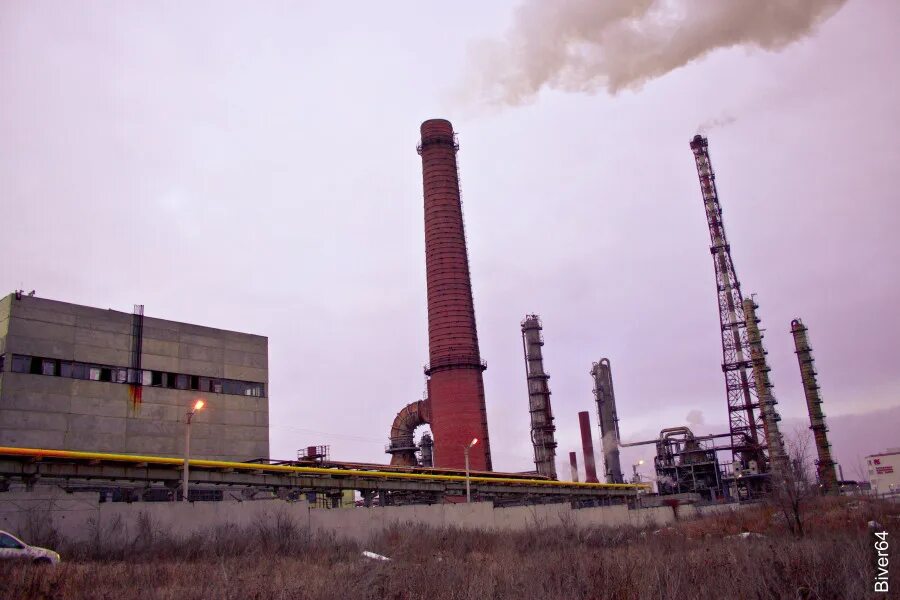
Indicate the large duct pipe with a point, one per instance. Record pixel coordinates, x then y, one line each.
542 427
402 447
573 465
609 421
587 446
824 464
774 441
455 369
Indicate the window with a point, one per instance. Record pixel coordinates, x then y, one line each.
20 364
79 371
253 389
8 542
2 362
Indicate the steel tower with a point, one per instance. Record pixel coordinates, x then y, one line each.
542 427
746 428
824 463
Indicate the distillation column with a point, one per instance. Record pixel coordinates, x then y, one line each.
542 427
746 429
587 447
455 385
767 402
609 421
824 462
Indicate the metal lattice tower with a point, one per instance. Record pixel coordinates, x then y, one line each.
542 427
747 431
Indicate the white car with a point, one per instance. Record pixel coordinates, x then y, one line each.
12 548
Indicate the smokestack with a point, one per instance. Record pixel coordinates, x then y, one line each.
573 464
774 441
824 464
542 427
587 446
456 388
609 421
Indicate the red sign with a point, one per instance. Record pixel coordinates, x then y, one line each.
884 470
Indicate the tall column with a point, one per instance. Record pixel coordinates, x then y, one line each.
456 389
587 445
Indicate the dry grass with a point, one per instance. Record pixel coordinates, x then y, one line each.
693 559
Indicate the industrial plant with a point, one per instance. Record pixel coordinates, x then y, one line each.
96 399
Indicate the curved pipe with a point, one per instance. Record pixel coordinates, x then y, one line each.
403 446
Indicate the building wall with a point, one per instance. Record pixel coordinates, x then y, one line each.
884 472
46 411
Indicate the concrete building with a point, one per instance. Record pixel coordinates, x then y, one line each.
884 472
80 378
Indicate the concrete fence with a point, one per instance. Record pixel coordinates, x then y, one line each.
80 517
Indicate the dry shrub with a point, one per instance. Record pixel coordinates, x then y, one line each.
690 560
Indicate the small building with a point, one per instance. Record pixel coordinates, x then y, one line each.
81 378
884 472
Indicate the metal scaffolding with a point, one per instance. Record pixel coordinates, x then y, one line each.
746 426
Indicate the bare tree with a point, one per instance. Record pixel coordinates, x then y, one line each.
793 487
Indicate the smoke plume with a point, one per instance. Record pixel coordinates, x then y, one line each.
716 123
694 418
587 45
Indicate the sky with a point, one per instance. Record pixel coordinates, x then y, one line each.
253 167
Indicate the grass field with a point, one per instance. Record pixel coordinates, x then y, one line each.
750 554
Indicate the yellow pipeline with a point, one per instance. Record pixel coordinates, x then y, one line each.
38 453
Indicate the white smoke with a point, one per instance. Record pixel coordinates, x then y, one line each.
721 121
587 45
695 417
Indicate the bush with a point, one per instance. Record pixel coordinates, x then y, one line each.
704 558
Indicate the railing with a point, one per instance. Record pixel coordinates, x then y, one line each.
457 360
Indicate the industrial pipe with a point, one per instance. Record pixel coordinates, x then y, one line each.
41 453
587 446
402 447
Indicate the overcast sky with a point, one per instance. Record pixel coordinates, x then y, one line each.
252 166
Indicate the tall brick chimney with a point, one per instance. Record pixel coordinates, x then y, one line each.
455 386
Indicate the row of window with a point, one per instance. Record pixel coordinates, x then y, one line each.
78 370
